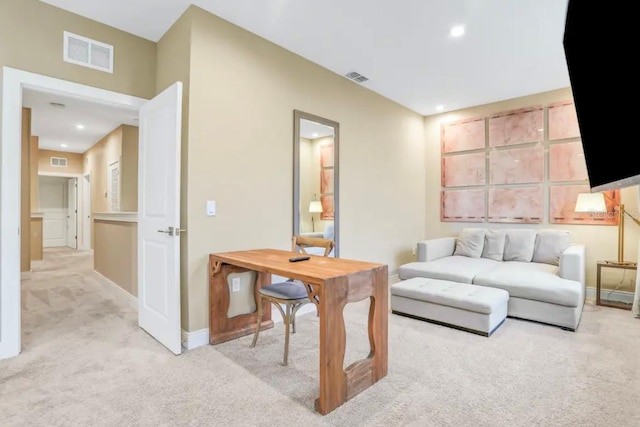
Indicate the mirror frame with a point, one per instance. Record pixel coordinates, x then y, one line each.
297 117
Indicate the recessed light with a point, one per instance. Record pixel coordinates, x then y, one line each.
439 107
79 126
315 134
63 145
457 31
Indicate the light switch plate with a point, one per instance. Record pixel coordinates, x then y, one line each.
211 208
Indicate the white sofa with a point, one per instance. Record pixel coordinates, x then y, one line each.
542 270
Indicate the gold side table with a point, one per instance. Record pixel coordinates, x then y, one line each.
612 264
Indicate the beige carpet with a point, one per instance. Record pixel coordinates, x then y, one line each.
86 363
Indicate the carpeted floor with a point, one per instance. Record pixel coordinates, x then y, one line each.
85 362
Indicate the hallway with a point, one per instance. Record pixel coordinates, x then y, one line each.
80 339
63 296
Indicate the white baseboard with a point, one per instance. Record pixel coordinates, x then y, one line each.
131 300
195 339
626 297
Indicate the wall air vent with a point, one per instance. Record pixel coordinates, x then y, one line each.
356 77
88 53
60 162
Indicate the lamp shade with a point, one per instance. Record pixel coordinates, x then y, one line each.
315 206
591 202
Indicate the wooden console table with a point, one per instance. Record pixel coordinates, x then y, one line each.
335 283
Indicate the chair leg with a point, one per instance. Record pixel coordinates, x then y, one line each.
258 321
287 321
293 321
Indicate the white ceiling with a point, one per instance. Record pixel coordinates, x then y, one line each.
511 48
313 130
56 126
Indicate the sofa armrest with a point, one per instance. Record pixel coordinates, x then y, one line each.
429 250
573 264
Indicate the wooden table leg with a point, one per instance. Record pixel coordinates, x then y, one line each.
337 385
333 389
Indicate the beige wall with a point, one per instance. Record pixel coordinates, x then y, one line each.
32 39
244 91
96 161
174 64
74 162
129 169
601 241
117 254
36 239
25 196
122 141
33 172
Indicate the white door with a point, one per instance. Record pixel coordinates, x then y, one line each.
53 204
86 212
159 216
72 213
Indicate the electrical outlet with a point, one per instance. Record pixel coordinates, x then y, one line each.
235 285
413 250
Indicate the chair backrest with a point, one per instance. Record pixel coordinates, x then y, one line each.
299 243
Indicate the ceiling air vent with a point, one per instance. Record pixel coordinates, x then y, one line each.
356 77
88 53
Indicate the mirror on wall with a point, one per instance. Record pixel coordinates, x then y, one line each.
315 177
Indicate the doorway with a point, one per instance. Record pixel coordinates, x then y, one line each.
159 176
57 202
86 212
15 82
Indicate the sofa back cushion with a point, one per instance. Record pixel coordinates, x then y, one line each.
549 246
494 244
519 245
328 231
470 242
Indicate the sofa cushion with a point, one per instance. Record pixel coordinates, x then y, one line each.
470 242
455 268
494 244
533 281
519 245
549 246
328 231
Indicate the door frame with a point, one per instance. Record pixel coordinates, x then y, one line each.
13 81
86 213
75 214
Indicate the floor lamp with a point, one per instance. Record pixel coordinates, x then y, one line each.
314 207
596 204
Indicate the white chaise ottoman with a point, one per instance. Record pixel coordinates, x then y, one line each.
472 308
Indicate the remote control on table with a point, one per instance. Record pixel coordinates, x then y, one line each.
299 258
